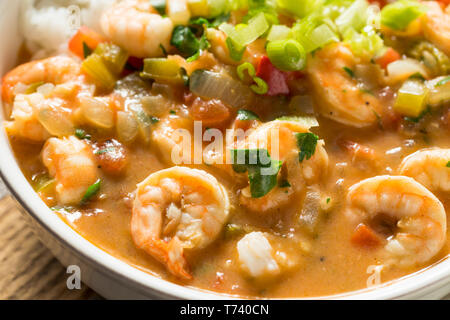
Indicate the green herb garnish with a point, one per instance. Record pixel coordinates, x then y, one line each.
448 164
284 184
184 39
159 5
307 143
91 192
349 72
246 115
86 50
82 135
262 170
103 151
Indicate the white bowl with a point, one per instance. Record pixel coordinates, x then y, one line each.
114 279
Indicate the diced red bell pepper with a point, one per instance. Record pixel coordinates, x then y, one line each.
87 36
275 78
389 56
381 3
365 237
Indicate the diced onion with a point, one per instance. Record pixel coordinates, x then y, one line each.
212 85
56 120
127 127
97 112
401 70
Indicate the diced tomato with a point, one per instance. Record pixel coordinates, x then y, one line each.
444 2
87 36
381 3
275 78
389 56
364 236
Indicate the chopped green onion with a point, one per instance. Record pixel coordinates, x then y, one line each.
246 34
260 86
313 34
366 43
262 170
299 8
91 192
235 53
162 70
96 68
398 15
307 143
411 98
246 66
354 16
246 115
279 32
287 55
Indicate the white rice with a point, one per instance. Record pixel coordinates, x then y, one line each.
47 25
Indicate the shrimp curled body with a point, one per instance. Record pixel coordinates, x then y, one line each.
416 217
137 27
429 167
178 209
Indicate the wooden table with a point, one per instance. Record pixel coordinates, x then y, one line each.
28 270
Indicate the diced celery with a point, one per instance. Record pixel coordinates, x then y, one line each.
162 70
411 99
299 8
95 67
114 56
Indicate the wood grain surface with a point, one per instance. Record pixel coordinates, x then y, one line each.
28 269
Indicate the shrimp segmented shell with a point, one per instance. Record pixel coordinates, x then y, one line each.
417 219
70 161
429 167
137 27
177 210
338 95
278 138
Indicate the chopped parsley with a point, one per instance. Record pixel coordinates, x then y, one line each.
82 135
185 40
172 112
91 192
103 151
328 200
164 51
307 143
159 5
262 170
284 184
349 72
210 23
246 115
448 164
86 50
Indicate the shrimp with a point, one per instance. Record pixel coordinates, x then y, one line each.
55 70
257 257
137 27
173 137
177 210
409 217
337 94
71 162
25 123
279 139
429 167
436 25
